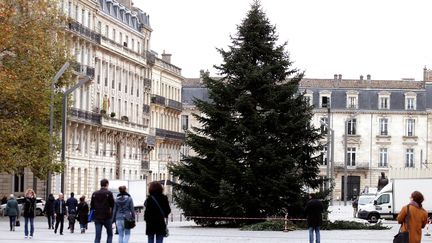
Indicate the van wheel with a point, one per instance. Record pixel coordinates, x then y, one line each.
373 218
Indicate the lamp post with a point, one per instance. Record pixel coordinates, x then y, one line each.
330 157
81 82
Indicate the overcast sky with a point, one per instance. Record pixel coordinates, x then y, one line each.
389 39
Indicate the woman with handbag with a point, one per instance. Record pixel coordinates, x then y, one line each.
12 211
124 214
156 213
413 218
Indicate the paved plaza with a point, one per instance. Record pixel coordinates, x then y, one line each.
188 232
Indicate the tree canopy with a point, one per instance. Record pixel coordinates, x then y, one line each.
256 148
33 47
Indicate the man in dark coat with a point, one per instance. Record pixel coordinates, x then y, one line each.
102 202
72 205
49 210
314 209
59 213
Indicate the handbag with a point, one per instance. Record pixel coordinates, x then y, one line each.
403 237
166 233
129 223
90 215
17 223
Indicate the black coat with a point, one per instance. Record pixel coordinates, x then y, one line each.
102 202
57 207
29 207
155 221
314 209
82 212
49 206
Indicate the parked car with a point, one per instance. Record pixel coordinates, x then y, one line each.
40 204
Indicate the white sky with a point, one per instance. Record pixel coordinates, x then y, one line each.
389 39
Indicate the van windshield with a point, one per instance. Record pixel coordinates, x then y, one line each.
363 200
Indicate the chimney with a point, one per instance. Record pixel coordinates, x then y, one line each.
361 77
335 77
368 77
166 57
340 77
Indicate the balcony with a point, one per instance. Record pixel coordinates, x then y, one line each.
84 31
86 116
162 133
157 99
123 124
146 109
84 70
359 166
174 105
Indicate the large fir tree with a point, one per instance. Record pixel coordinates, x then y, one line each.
256 147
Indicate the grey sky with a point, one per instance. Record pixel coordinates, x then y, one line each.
389 39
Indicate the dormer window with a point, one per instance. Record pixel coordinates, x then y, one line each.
309 97
384 100
325 99
352 100
410 101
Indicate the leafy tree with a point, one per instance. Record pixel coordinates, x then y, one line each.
256 147
32 48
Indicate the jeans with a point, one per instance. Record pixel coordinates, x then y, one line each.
124 234
317 233
12 220
83 226
26 232
159 238
107 223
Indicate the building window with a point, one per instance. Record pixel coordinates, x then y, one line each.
351 154
384 103
325 101
114 35
352 102
383 157
383 123
308 99
410 127
410 103
352 124
185 122
323 125
324 156
409 158
106 31
19 182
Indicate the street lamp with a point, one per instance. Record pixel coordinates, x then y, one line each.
81 82
330 155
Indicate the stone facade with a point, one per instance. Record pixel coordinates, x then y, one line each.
115 129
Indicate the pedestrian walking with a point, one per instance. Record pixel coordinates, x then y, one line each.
29 212
49 210
82 214
156 213
355 206
102 202
123 210
314 209
413 218
71 205
12 211
59 213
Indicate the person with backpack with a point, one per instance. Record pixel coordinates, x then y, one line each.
71 205
123 211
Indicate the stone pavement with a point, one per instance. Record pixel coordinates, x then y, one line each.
187 232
